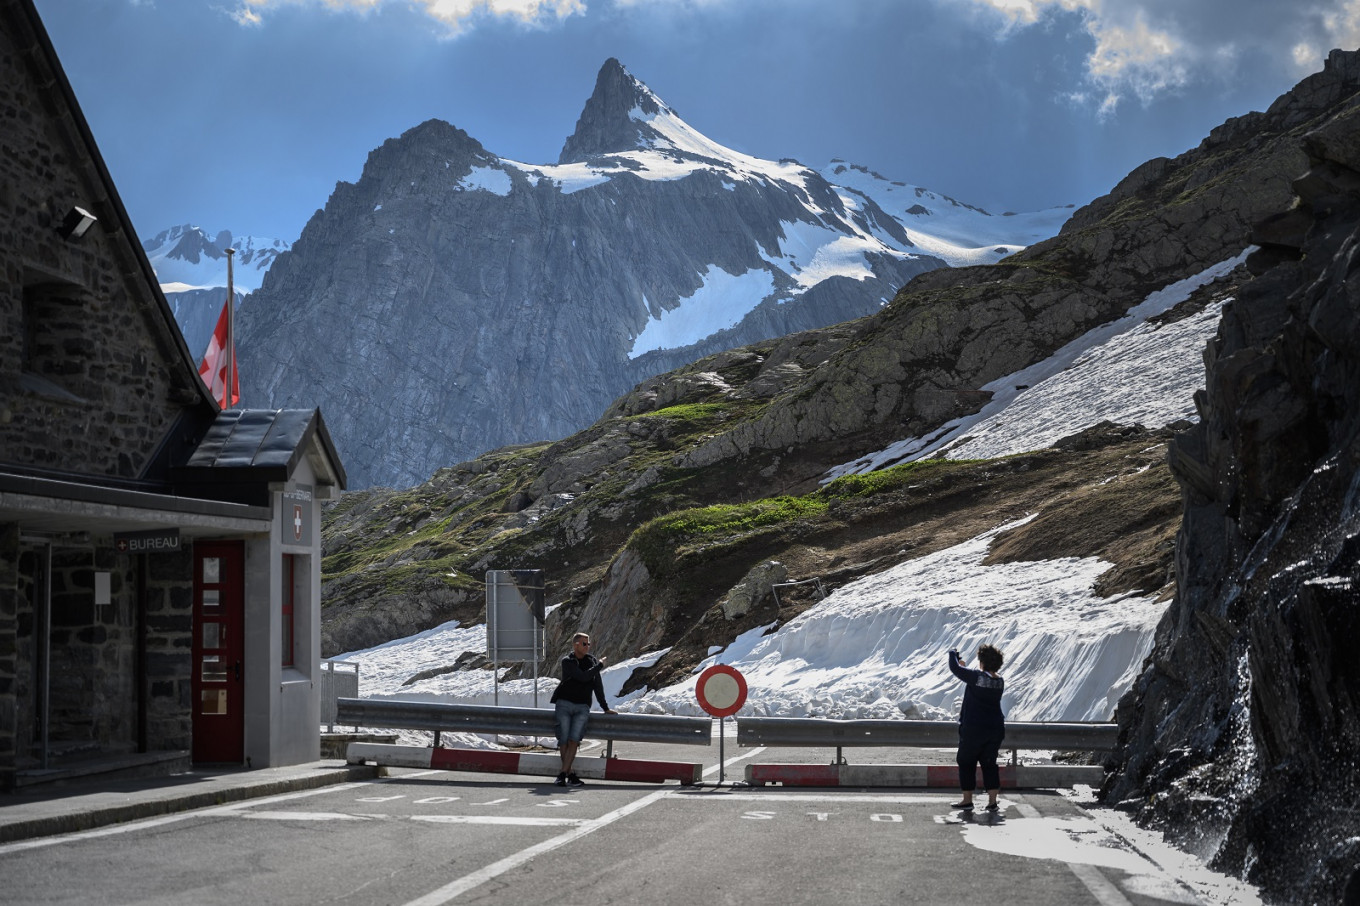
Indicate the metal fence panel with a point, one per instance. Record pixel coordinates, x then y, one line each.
339 679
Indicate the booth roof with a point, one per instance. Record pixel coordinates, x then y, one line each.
265 445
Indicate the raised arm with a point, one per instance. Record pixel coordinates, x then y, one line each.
956 667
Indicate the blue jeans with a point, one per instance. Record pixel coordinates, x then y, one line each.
571 721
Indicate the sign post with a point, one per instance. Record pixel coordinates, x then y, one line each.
515 615
721 690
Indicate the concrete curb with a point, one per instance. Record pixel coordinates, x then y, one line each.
86 810
487 761
945 776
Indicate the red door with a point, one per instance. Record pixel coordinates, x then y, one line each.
219 630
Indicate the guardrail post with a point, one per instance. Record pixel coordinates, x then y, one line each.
329 684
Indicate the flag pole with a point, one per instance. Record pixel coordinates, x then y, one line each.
230 351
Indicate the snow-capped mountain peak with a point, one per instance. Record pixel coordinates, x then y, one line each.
626 119
615 118
188 257
935 224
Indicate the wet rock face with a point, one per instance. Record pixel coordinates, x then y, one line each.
1243 735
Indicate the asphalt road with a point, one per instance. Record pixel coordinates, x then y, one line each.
433 837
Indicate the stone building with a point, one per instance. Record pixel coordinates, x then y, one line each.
159 557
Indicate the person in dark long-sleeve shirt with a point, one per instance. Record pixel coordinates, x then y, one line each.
571 700
982 725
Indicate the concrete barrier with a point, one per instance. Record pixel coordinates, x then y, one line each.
943 776
490 761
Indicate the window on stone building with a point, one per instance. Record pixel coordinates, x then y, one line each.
54 342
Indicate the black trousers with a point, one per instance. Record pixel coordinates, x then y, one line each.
979 746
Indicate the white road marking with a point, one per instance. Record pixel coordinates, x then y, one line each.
496 869
1105 892
492 819
233 808
805 797
433 819
1101 887
301 816
144 824
731 761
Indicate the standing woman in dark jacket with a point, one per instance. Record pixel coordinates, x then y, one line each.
982 725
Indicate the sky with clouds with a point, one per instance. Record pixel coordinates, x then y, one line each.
243 114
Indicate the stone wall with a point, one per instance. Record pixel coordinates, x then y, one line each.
91 372
9 608
169 644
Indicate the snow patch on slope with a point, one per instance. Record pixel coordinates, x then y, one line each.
1126 371
721 302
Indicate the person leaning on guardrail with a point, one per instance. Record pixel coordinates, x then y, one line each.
982 725
571 701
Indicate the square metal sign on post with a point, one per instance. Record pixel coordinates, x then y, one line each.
515 616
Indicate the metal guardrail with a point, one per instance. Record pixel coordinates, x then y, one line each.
440 717
824 732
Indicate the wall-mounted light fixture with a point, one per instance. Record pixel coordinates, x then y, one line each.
75 223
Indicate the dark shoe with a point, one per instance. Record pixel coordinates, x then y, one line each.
561 780
966 806
992 806
573 780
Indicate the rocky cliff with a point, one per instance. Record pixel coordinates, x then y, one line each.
453 301
1241 737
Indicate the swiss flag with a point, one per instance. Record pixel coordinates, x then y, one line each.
213 369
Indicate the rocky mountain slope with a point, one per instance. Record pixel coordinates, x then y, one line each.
452 301
665 522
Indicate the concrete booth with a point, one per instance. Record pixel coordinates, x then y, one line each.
160 596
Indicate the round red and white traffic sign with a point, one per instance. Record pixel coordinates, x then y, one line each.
721 690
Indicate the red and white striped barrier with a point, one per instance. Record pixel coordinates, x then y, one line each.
490 761
1025 776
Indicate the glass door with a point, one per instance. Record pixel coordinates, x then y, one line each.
219 629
